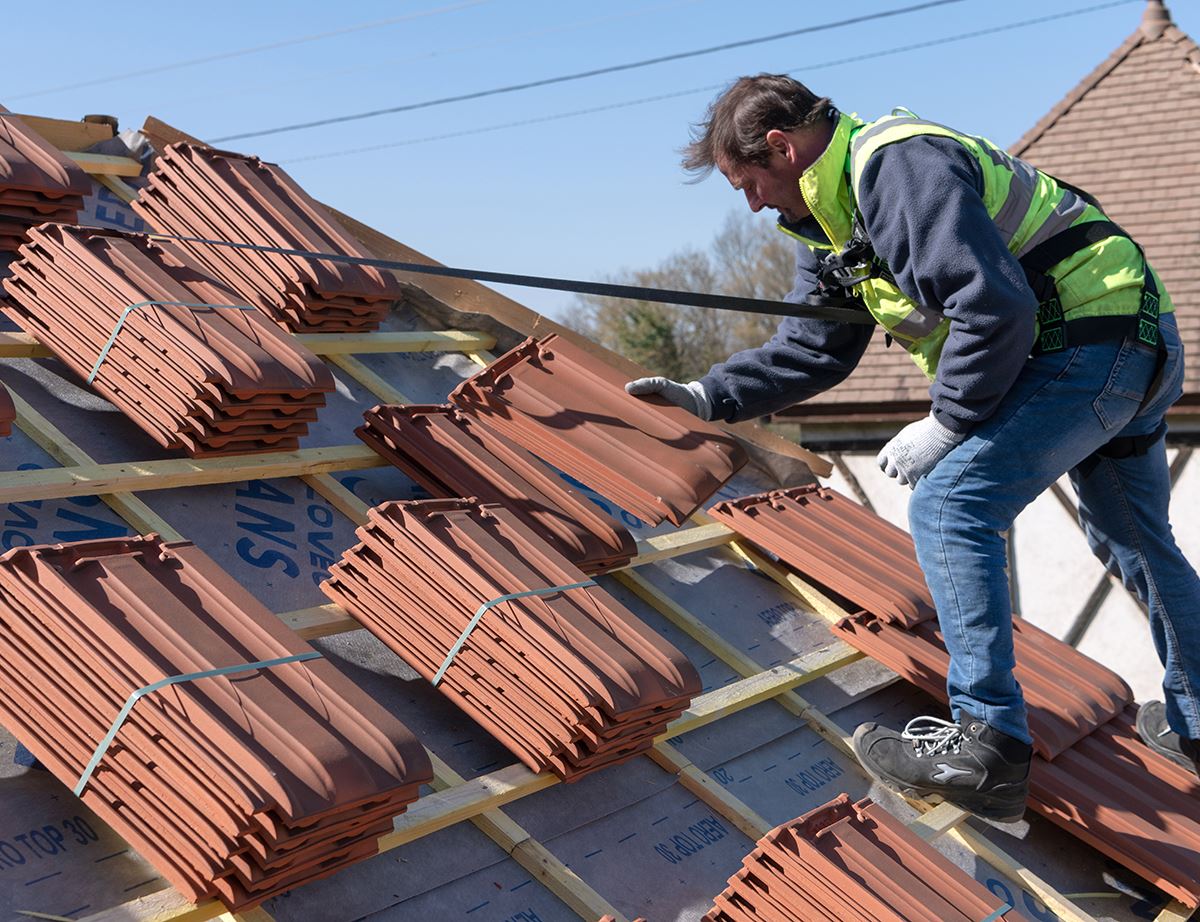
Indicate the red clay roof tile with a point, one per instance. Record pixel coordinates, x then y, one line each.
206 780
37 183
568 407
196 191
211 381
570 681
449 454
852 863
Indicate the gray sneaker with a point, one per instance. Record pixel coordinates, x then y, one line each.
1155 733
968 764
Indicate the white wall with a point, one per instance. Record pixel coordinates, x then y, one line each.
1056 571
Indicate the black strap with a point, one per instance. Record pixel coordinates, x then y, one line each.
822 309
1054 328
1118 449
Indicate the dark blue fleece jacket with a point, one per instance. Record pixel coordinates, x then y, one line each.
922 204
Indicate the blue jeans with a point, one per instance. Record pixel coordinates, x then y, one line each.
1061 408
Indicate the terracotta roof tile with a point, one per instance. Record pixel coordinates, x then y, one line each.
570 681
839 544
570 408
37 183
205 781
196 191
853 863
450 455
209 381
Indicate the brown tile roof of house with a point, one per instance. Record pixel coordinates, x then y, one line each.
1097 138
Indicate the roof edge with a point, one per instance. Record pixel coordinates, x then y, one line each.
1081 89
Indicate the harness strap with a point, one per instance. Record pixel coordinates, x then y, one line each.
1053 325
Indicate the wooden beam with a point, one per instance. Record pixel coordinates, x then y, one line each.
744 693
56 444
118 187
709 791
339 497
685 540
938 821
68 135
24 346
106 164
813 597
21 346
1175 912
357 344
133 476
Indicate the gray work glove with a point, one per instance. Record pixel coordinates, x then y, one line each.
916 449
691 396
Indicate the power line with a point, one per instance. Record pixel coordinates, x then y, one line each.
325 75
565 78
255 49
916 46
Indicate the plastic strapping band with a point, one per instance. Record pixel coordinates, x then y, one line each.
132 307
175 680
997 914
482 610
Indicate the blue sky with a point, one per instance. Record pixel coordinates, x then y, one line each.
566 194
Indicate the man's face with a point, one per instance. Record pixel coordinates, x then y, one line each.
774 185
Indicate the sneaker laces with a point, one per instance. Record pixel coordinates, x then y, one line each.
932 736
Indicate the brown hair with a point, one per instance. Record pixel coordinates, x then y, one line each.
735 127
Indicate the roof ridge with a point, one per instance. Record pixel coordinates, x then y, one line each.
1081 89
1156 25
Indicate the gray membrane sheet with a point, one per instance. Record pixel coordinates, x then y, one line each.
644 842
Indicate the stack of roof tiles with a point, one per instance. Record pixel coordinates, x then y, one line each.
852 863
8 412
1091 773
199 192
449 454
211 381
570 681
236 787
565 405
37 183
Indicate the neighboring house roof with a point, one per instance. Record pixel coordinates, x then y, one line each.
1098 138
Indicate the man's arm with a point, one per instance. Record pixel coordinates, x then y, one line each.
802 359
922 203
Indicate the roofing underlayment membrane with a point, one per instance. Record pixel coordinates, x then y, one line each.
579 681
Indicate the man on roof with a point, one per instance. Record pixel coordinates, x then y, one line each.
1051 347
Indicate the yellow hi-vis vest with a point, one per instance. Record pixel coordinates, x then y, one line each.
1103 279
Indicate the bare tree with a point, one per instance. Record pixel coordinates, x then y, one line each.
747 258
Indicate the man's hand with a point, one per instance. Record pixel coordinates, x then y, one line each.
916 449
691 396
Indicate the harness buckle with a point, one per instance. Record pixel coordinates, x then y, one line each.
1147 319
1053 329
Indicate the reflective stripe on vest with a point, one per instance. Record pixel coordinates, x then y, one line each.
1027 206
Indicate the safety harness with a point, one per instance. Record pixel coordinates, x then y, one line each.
856 262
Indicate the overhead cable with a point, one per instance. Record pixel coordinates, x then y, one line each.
644 100
254 49
581 75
